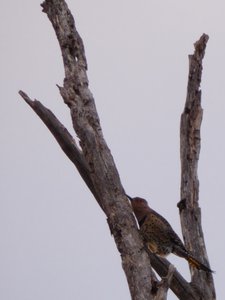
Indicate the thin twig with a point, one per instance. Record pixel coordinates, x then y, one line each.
164 284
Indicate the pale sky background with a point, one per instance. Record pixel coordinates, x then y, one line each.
54 239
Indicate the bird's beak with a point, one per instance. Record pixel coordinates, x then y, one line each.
130 198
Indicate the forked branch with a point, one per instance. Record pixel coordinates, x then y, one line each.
95 162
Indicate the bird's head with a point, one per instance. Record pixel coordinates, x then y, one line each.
140 207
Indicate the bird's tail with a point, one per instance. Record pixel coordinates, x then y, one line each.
197 264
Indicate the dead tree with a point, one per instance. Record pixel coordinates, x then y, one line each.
190 142
97 168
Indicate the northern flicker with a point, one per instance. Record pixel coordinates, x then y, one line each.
159 236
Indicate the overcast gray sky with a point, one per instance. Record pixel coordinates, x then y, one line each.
55 242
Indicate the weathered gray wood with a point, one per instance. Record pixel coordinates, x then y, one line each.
165 284
64 139
102 169
181 288
179 285
190 212
96 166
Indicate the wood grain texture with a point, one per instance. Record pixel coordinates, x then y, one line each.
190 143
96 165
102 170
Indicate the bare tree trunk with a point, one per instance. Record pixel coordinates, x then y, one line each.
190 212
99 162
96 166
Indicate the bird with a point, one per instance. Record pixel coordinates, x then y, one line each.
159 236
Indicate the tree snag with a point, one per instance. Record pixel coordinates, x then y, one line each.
97 168
190 143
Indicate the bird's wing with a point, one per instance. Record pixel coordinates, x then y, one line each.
168 232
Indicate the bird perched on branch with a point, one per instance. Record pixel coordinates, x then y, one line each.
159 236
